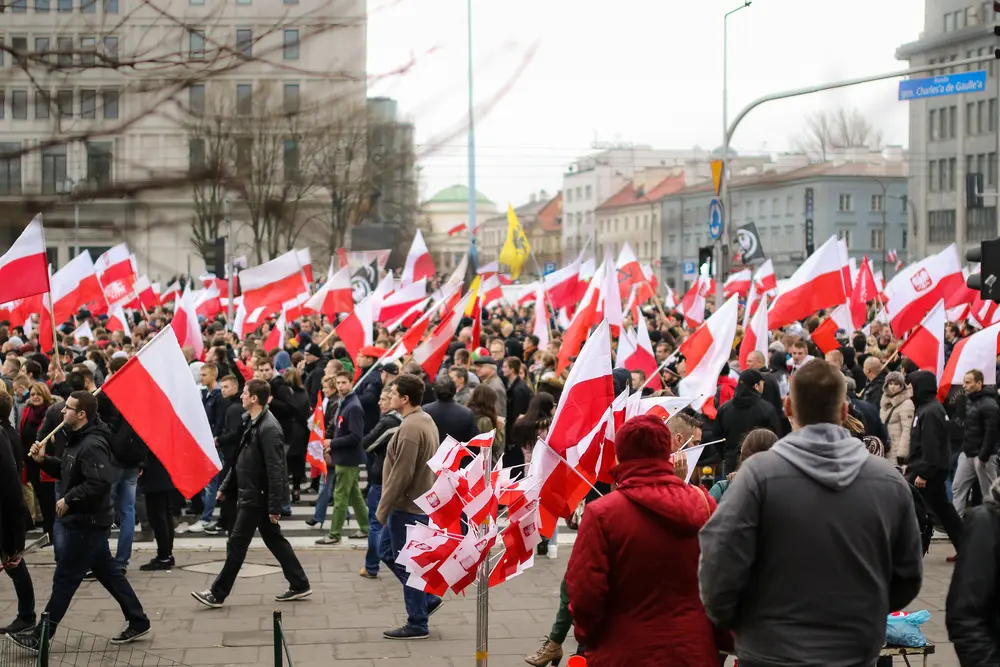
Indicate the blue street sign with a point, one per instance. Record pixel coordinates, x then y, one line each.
952 84
715 219
689 269
550 267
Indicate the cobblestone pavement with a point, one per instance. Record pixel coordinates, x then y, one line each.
342 623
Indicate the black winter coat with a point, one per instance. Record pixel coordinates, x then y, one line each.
260 476
982 424
452 419
13 514
298 437
85 476
973 603
518 398
368 392
281 404
231 429
746 411
376 442
872 393
870 416
930 453
314 380
345 443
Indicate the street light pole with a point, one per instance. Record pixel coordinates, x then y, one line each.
885 203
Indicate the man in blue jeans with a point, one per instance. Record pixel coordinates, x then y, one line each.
405 475
375 444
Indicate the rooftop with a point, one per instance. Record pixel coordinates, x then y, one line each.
550 217
455 194
629 195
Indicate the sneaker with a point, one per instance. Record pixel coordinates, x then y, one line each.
207 599
157 565
196 527
19 625
89 576
365 574
292 596
406 632
553 551
329 539
214 529
27 640
360 535
129 634
432 608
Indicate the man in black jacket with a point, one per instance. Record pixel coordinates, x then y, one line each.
85 475
518 398
259 482
348 456
977 462
315 369
370 387
451 418
745 412
13 520
375 444
229 430
930 454
875 372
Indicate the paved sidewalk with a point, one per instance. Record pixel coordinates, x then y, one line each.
342 623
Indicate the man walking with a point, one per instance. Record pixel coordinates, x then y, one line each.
211 398
259 480
977 462
348 457
405 476
820 487
84 509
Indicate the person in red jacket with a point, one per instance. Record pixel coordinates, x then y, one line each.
627 608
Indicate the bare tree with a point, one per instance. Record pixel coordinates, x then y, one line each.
825 131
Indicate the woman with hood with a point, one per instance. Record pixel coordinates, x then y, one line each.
624 610
896 413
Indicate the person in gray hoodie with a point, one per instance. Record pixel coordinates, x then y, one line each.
814 543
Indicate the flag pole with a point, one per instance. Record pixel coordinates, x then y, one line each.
55 341
545 292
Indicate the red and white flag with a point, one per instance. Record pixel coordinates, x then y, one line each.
562 285
491 290
185 324
693 303
862 293
817 284
442 503
541 328
274 282
459 570
74 286
146 293
171 293
977 352
764 279
706 352
335 296
628 271
357 330
207 302
419 263
845 264
156 394
276 337
610 306
448 456
643 358
116 265
399 302
317 433
430 353
458 229
925 344
755 335
24 269
83 331
915 289
577 330
738 283
118 320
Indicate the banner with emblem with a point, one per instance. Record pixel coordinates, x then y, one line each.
364 279
516 248
748 243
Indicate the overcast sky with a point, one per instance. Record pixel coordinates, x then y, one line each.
641 71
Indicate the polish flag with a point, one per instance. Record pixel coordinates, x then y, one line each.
764 278
825 335
83 331
561 285
448 456
423 553
693 303
156 394
115 265
663 407
863 292
356 330
817 284
274 282
738 283
978 351
458 229
628 271
24 269
305 261
397 303
118 321
626 348
276 337
460 569
382 290
925 344
410 317
845 264
643 359
491 289
187 331
335 296
706 352
577 331
76 285
419 263
520 538
171 293
611 300
317 433
588 392
755 335
207 303
146 293
442 503
915 289
541 328
431 352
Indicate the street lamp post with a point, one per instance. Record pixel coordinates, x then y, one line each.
725 132
885 203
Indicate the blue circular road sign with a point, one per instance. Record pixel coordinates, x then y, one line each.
715 219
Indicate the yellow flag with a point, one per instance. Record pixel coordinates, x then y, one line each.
474 289
516 248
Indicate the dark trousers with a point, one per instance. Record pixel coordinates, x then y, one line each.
87 549
391 542
227 513
24 589
936 496
159 513
45 494
297 469
374 528
248 521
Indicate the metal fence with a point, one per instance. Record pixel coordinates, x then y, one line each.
281 652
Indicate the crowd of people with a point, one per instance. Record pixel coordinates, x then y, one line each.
851 451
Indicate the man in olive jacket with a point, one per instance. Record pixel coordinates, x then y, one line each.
405 476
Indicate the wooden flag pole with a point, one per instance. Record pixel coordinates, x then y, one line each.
55 341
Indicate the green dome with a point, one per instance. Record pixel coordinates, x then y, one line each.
456 194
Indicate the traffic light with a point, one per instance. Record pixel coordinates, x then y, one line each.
216 261
988 257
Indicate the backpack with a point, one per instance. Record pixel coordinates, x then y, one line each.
925 520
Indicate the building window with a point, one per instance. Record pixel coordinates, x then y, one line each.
846 203
244 42
64 102
878 240
578 193
970 118
19 104
88 6
932 124
569 195
774 208
196 154
941 226
291 45
991 169
99 162
981 224
992 115
3 103
10 169
903 200
953 121
244 149
110 6
43 102
19 6
111 48
589 192
65 46
291 161
110 99
906 234
196 45
291 98
877 203
64 5
196 100
244 99
42 48
41 6
980 112
53 169
88 104
943 124
88 51
789 205
845 235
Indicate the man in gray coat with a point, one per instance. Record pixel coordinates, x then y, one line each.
814 543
